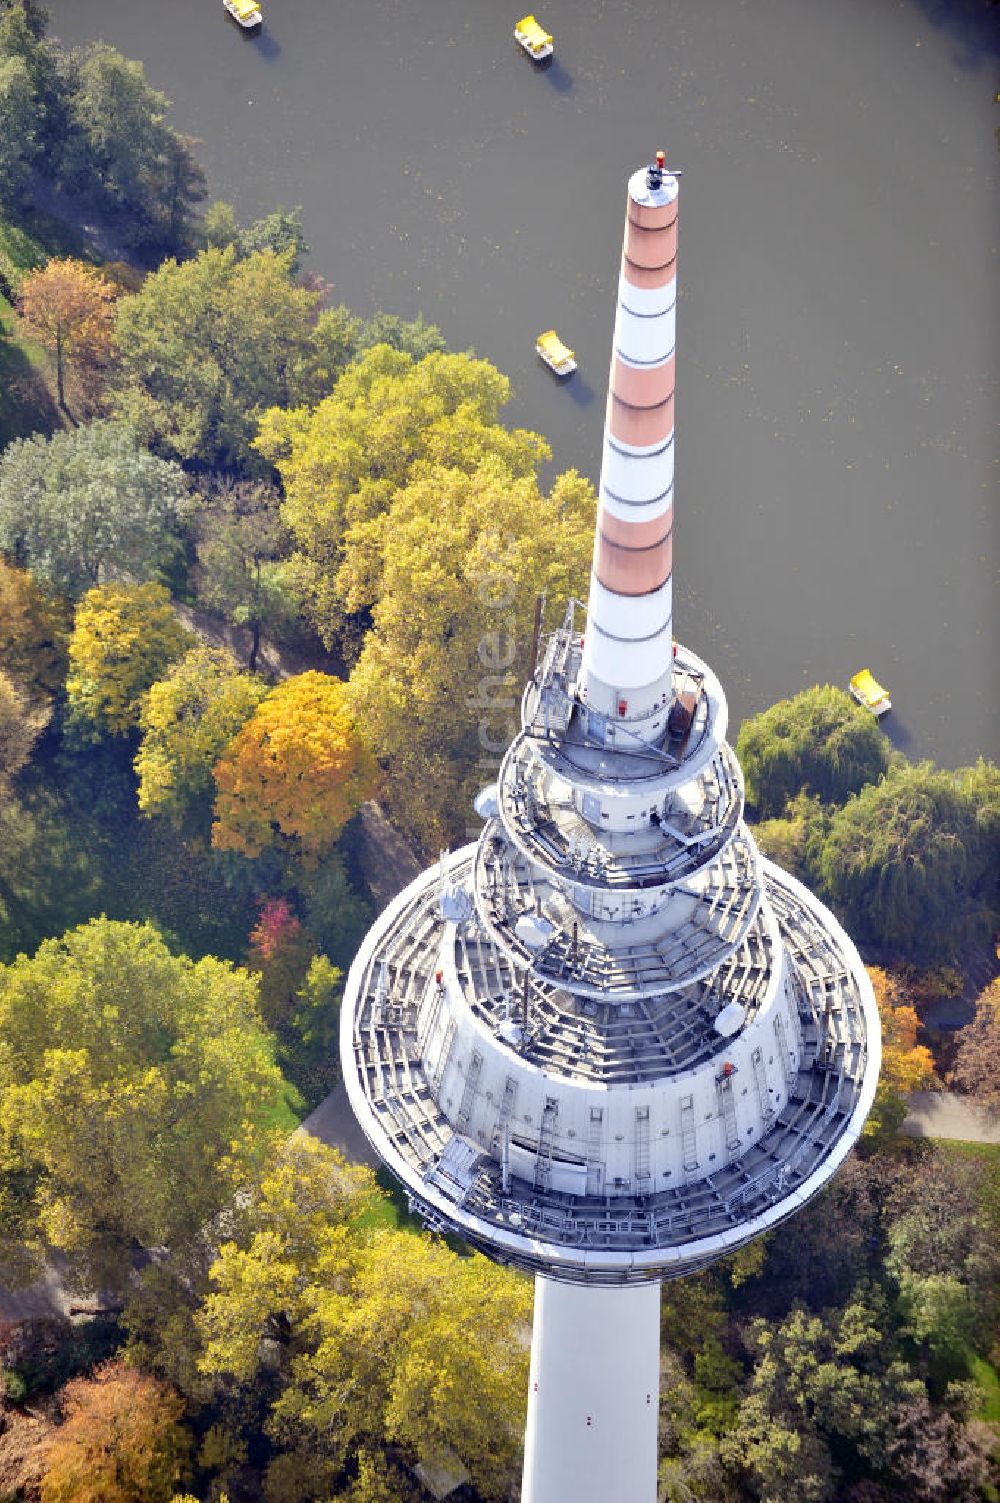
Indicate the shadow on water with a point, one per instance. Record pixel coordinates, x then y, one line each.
580 390
558 76
974 24
899 733
267 45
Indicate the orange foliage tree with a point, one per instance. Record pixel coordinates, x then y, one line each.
295 773
69 308
121 1441
906 1065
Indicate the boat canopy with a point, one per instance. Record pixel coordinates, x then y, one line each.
246 8
868 689
533 34
551 346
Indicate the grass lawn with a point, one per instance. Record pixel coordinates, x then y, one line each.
989 1381
391 1212
288 1113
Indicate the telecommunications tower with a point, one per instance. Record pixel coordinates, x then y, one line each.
609 1042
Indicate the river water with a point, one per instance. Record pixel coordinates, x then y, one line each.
837 356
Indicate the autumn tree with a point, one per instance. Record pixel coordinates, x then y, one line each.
207 344
241 544
187 720
121 1441
295 773
77 505
69 308
906 1065
977 1063
124 638
906 864
136 1087
819 742
33 632
342 463
450 573
21 724
381 1337
280 952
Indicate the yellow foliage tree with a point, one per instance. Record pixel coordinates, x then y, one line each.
69 308
33 632
188 719
124 638
388 417
388 1337
295 773
451 574
906 1065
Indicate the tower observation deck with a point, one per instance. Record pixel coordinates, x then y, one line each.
609 1042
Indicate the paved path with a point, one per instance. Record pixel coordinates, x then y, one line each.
942 1114
334 1123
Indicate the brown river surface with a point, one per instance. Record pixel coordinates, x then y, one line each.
837 338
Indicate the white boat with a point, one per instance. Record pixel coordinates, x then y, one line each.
246 13
535 40
869 693
557 356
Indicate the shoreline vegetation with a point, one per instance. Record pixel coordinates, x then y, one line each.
251 549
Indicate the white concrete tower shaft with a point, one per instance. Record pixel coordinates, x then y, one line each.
627 657
593 1395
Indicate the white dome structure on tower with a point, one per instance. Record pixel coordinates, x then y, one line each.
610 1042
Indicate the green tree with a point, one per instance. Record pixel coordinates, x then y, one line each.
206 345
795 839
295 773
18 130
135 1091
124 639
905 864
76 505
980 786
820 742
279 232
187 720
241 545
218 225
821 1389
440 674
377 1336
126 155
341 464
413 336
34 135
121 1441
